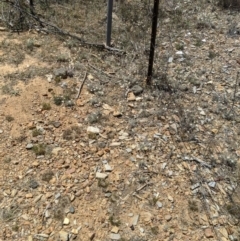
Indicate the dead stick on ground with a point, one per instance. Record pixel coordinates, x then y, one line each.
140 188
99 70
80 89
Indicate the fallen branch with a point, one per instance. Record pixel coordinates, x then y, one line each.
80 89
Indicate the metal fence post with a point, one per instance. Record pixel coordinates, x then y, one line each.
109 22
153 38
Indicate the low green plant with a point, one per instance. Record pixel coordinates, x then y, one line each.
9 118
179 46
152 201
30 44
114 221
102 183
62 58
46 106
39 149
58 100
47 176
193 205
154 230
36 132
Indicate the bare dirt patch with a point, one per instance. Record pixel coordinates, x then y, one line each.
123 161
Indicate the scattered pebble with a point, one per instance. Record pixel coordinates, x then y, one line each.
115 236
101 175
63 236
29 146
66 221
168 217
209 233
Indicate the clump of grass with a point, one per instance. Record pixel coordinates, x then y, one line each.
47 176
7 160
114 221
62 58
58 214
198 43
72 132
58 100
9 118
15 227
179 46
234 209
36 132
7 89
46 106
152 201
102 183
71 44
193 205
39 149
76 129
94 117
10 213
30 44
67 134
154 230
212 54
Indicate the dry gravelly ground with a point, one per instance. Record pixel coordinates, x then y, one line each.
164 165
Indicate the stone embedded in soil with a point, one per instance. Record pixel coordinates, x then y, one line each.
208 233
117 114
223 231
101 175
29 195
115 236
42 236
93 130
29 146
115 229
170 198
173 127
56 150
108 168
212 184
35 164
56 124
1 131
114 144
66 221
168 217
159 204
131 96
71 210
63 236
30 238
91 236
134 220
137 89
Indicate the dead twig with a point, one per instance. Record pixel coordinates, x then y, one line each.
99 70
80 89
140 188
197 160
